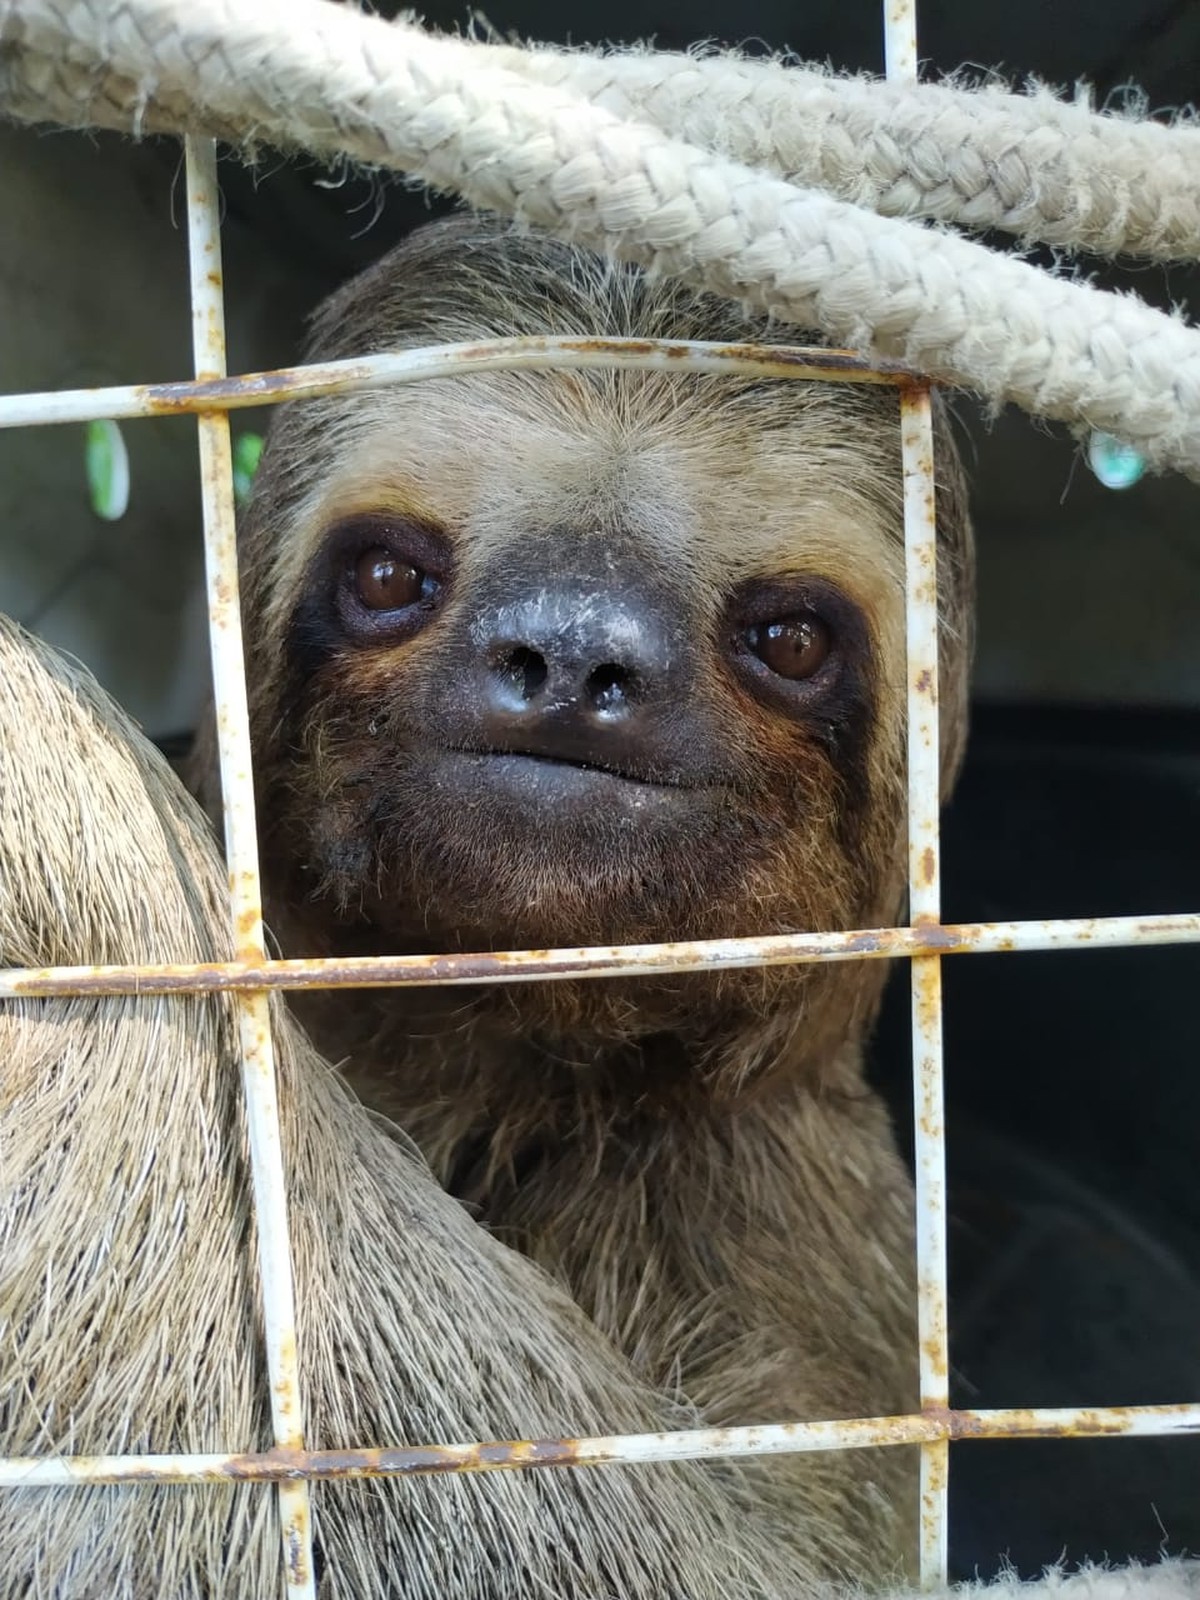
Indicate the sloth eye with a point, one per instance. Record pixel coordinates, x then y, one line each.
386 582
791 647
381 577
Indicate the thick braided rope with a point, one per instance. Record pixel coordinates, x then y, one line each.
311 74
1169 1580
1030 165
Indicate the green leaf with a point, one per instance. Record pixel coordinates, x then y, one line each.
106 462
247 450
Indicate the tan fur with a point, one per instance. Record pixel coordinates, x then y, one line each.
129 1315
696 1159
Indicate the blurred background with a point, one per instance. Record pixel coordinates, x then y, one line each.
1072 1082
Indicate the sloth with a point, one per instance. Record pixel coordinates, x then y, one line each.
684 1208
548 659
535 658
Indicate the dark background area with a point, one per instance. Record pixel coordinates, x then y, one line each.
1072 1114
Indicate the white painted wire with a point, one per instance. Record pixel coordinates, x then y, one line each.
241 850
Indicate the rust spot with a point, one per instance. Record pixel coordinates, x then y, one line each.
285 1464
934 1348
868 942
813 361
286 1388
940 1420
962 1424
297 1549
641 347
924 681
532 1453
720 1437
1164 927
217 395
833 362
686 958
928 865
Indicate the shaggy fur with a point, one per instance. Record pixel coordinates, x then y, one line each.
128 1308
696 1159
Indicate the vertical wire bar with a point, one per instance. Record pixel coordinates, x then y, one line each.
241 844
924 878
900 40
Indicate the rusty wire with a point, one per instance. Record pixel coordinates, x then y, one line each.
614 961
924 895
924 904
241 851
544 353
693 1444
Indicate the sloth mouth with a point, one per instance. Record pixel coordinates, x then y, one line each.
501 848
537 767
532 795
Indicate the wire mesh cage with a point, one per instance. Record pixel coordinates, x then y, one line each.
924 942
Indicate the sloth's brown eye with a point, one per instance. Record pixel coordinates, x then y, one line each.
793 647
384 582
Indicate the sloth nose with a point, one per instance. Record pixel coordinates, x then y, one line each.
528 681
580 662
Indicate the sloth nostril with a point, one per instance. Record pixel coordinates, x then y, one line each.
525 669
608 686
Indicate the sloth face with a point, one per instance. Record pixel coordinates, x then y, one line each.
538 657
551 658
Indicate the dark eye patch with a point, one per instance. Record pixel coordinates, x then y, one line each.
797 641
394 558
820 637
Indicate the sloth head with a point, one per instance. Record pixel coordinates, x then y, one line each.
580 657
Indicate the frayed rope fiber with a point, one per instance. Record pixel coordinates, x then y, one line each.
513 131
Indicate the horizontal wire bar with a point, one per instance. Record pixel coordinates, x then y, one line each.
633 960
283 1466
446 361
